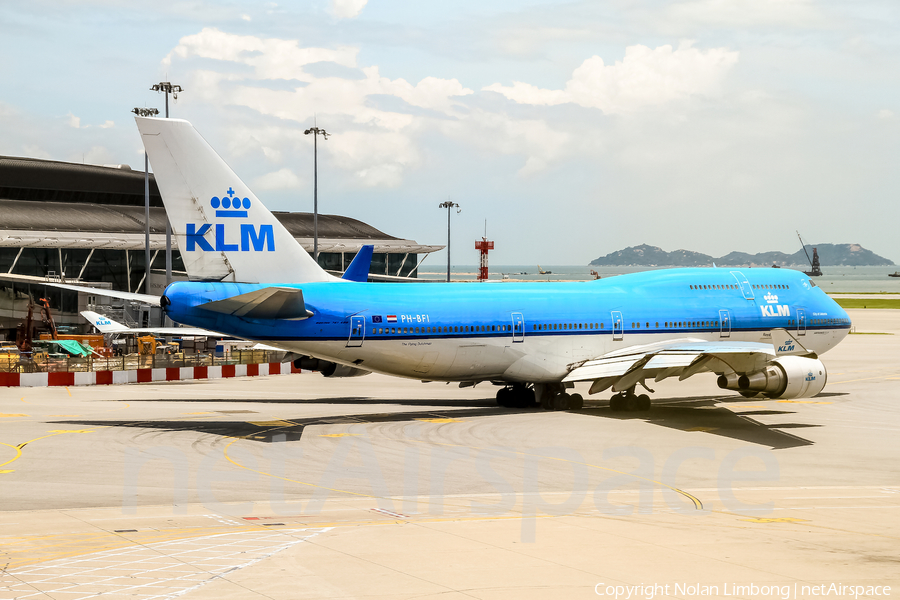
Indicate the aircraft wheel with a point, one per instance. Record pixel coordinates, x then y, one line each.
547 402
503 397
528 400
631 403
576 402
615 403
561 401
643 402
749 394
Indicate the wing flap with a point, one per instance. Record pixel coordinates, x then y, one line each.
627 366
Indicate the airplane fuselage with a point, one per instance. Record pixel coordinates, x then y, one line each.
525 332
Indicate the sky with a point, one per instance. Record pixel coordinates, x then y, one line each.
568 129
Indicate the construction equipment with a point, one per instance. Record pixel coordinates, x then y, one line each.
146 345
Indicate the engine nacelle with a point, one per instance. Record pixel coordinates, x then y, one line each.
785 377
328 368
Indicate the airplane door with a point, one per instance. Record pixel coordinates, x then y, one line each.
357 331
618 325
801 321
724 323
745 286
518 327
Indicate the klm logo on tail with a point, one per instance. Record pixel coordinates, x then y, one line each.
252 239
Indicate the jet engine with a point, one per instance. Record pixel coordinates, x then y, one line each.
328 368
785 377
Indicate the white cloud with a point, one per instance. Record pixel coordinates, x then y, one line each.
35 151
375 158
271 58
497 133
107 125
347 9
282 179
74 121
376 144
644 77
745 13
98 155
886 114
246 18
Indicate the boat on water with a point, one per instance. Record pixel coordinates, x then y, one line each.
815 269
894 274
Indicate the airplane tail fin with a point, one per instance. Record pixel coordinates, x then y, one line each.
358 269
103 324
223 231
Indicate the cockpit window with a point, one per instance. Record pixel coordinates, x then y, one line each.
812 283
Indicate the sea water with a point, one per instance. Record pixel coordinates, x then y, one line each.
835 280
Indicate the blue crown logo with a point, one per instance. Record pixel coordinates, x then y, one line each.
231 205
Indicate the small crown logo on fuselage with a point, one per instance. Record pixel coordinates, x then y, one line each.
231 205
771 298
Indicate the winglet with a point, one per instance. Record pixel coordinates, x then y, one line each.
786 344
359 266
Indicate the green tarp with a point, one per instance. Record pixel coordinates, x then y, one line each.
72 347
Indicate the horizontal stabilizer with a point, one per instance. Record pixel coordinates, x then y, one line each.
106 325
267 303
358 270
150 299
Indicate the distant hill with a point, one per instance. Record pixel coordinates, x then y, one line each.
830 255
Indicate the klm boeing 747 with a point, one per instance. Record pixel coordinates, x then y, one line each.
760 330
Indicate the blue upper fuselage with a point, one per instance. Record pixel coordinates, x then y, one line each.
680 301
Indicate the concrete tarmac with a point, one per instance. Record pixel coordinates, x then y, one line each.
305 487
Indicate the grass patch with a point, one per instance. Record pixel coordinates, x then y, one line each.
868 302
870 333
829 292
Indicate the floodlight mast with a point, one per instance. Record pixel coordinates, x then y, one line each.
168 88
448 205
316 132
146 112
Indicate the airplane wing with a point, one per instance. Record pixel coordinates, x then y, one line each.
628 366
144 298
107 325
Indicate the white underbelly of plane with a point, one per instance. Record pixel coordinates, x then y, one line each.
537 359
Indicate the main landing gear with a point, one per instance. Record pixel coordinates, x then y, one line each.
547 396
628 401
517 395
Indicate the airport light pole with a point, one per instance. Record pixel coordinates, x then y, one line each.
316 132
168 88
146 112
448 205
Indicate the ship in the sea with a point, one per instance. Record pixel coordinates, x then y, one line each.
894 274
815 269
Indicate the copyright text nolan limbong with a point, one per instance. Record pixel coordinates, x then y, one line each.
785 592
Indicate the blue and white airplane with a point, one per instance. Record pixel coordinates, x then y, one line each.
760 330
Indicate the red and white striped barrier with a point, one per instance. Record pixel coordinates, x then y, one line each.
63 378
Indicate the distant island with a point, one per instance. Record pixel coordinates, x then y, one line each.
831 255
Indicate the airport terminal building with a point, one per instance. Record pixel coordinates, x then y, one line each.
85 223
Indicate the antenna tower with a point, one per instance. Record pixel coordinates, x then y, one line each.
484 245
